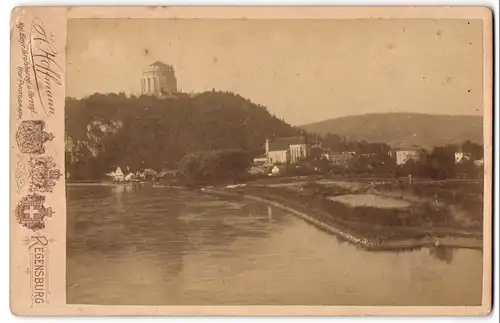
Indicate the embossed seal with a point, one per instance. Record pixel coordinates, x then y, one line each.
30 212
43 173
31 137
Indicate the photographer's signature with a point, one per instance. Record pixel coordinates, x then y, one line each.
47 71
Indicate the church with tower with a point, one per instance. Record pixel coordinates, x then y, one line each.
159 80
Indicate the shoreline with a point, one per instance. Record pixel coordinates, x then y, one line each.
96 183
451 242
100 184
447 237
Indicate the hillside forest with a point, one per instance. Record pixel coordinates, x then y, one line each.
104 131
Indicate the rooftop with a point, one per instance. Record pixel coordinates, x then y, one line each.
406 148
284 143
159 65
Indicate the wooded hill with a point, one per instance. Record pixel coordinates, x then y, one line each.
108 130
404 129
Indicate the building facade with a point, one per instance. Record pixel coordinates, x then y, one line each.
118 175
158 79
297 151
278 157
461 157
404 155
339 158
286 150
261 160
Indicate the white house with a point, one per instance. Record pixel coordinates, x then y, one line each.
286 150
461 157
261 160
130 177
276 170
404 155
118 175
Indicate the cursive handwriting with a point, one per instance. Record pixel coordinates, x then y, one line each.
24 75
20 83
46 69
40 241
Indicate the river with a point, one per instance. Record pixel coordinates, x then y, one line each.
161 246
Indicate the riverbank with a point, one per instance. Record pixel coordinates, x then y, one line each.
366 235
366 214
93 184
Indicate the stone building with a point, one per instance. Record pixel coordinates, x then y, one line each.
286 150
402 155
158 79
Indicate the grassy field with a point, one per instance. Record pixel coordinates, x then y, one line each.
462 199
437 209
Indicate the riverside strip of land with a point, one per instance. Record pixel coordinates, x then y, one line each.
377 214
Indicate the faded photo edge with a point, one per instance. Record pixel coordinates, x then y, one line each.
21 301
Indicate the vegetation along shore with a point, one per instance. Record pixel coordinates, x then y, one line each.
363 214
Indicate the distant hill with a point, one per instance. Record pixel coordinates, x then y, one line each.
403 129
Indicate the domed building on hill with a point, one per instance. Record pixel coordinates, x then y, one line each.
158 79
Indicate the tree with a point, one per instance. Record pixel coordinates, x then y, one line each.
440 163
383 164
215 166
475 151
332 142
315 154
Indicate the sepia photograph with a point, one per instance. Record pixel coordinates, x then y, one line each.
314 162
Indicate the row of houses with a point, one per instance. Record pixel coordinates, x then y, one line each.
292 149
400 155
404 155
148 174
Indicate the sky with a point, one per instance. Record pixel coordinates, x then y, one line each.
302 70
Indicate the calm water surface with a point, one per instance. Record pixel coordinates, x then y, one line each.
159 246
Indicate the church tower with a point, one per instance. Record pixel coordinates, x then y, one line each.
158 79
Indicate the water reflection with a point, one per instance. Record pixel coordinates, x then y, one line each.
442 253
155 246
150 220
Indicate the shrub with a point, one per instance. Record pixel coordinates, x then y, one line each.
215 166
